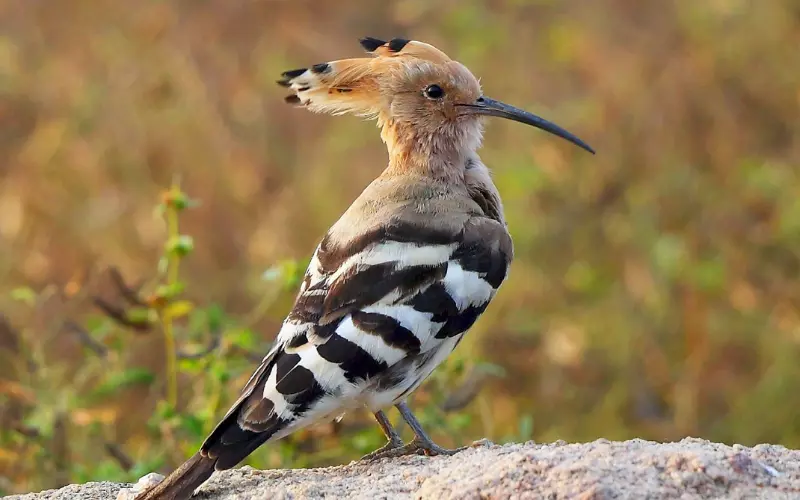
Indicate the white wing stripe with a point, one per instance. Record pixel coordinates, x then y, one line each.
419 323
374 345
466 288
281 406
327 374
406 254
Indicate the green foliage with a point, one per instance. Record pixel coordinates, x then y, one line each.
180 420
118 381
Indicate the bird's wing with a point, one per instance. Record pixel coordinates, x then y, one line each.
394 292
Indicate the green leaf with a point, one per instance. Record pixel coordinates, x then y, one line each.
215 317
170 291
525 427
180 245
143 467
121 380
491 369
179 308
288 272
244 338
193 366
460 421
220 372
141 315
669 254
193 425
165 411
24 294
709 275
580 276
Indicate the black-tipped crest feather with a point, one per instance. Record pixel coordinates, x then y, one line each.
293 73
371 44
397 44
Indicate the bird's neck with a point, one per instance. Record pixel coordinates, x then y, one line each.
440 154
446 158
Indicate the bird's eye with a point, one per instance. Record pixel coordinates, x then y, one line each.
434 92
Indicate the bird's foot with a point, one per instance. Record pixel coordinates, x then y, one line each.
393 444
416 447
431 449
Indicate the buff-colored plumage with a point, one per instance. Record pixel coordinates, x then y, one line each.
399 279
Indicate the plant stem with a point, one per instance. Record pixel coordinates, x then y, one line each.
173 265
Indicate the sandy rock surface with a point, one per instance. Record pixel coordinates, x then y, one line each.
691 468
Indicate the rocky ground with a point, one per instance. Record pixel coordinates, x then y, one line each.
691 468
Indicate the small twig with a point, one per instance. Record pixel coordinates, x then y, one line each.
26 430
11 338
465 392
211 347
170 344
59 450
130 293
248 354
119 456
118 315
86 339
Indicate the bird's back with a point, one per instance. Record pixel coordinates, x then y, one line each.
388 294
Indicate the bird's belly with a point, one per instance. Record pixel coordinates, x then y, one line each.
398 384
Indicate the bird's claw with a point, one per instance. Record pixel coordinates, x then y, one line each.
415 447
391 445
481 443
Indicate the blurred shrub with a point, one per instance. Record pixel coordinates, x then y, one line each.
62 428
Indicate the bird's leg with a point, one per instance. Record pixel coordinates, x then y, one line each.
395 441
421 444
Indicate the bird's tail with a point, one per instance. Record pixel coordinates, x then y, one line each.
182 482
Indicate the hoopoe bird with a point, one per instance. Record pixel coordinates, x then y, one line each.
399 279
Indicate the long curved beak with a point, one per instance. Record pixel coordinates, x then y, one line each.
491 107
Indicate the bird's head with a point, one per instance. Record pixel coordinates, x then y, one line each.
417 93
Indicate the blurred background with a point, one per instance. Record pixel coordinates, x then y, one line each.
655 290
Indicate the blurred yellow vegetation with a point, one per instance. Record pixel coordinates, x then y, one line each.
656 285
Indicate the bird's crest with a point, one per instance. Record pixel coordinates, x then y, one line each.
423 100
353 85
400 47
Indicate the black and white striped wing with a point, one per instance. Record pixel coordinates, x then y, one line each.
373 318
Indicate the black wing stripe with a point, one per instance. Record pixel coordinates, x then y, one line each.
388 329
436 301
331 256
300 388
356 363
461 322
479 258
284 364
364 287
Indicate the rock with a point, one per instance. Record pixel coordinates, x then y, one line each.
691 468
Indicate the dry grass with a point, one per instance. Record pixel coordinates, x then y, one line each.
655 291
